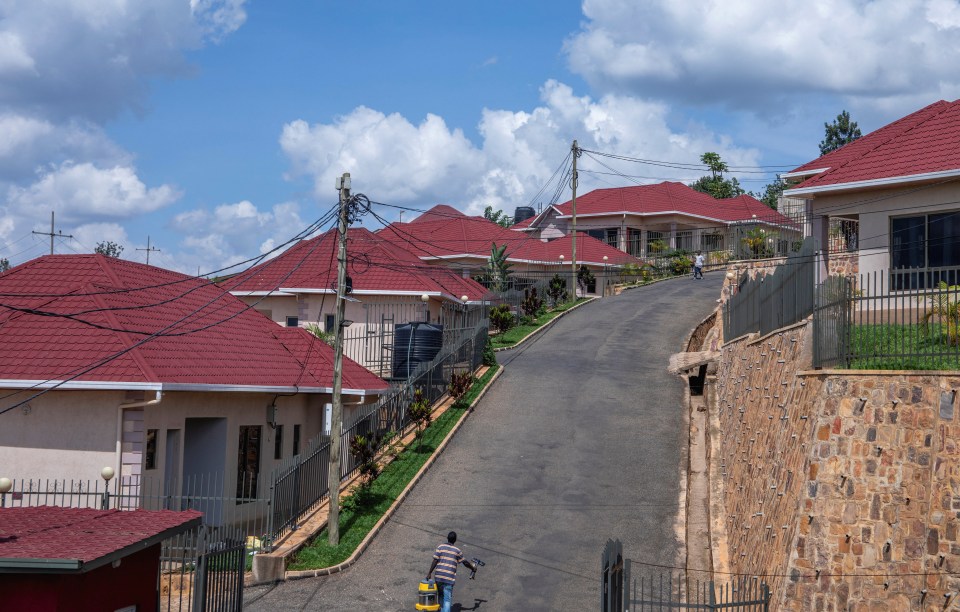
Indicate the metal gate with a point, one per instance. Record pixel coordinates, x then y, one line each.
218 577
620 592
831 322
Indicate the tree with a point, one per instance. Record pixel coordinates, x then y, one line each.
501 318
420 415
499 217
842 131
771 193
4 264
557 290
109 248
715 185
498 269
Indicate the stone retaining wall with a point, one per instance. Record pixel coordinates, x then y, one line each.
841 487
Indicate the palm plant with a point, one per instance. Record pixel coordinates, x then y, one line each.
498 269
945 310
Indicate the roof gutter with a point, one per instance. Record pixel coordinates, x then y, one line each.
144 403
891 181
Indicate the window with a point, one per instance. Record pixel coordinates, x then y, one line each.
293 322
608 235
329 321
150 450
923 241
296 439
278 442
611 237
248 461
684 240
711 242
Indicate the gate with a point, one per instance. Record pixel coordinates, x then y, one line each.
620 592
218 578
831 322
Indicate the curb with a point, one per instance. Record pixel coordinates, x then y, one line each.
543 327
326 571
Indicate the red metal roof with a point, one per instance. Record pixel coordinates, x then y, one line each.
376 265
108 320
671 197
437 213
925 141
589 250
82 534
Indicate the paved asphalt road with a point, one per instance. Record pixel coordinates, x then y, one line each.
583 438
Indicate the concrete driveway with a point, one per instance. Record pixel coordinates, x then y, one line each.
583 438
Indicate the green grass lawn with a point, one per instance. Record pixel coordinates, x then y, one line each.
357 520
518 333
901 347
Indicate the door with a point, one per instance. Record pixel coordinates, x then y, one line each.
204 462
171 463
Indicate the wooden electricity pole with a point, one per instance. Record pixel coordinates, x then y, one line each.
52 234
150 249
575 151
336 417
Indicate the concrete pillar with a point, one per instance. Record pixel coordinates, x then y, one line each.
643 243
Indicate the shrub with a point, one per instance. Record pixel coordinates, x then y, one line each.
364 450
489 356
584 278
680 265
557 290
460 383
532 303
501 318
419 413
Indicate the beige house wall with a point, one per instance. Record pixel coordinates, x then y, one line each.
875 209
74 434
61 434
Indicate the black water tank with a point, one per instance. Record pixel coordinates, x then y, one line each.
413 344
522 213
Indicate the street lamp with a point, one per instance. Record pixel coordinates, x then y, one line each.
107 474
605 280
5 485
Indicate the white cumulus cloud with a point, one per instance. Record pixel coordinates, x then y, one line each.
84 191
395 161
746 53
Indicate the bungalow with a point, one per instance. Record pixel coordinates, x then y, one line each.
160 375
446 236
900 188
388 286
646 219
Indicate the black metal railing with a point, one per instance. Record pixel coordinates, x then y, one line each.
872 322
300 485
770 301
621 591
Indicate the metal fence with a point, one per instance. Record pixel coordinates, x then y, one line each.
370 342
873 322
620 591
300 485
768 302
202 570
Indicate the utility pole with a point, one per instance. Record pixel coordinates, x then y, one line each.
575 151
149 249
52 234
336 418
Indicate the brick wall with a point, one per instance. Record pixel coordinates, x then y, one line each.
842 487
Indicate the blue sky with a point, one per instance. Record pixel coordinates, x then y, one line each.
217 126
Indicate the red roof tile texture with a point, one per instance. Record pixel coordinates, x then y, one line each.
669 197
95 318
374 265
81 534
927 140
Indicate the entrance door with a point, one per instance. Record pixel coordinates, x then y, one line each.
204 462
171 463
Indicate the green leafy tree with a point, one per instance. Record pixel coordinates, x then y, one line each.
842 131
756 241
4 264
497 216
317 331
715 184
771 193
364 450
584 278
109 248
498 269
532 303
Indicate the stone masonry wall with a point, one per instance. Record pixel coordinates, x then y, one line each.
841 488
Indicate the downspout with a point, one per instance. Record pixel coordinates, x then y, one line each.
141 404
